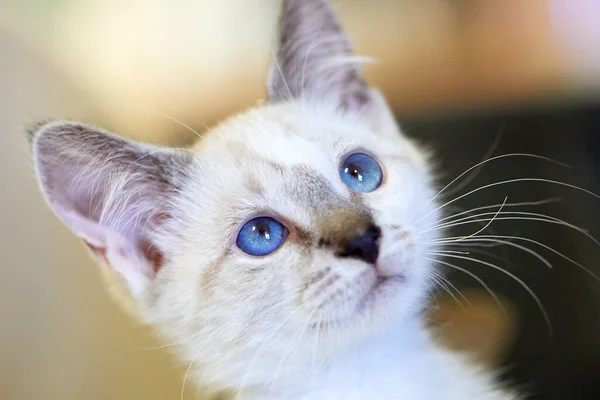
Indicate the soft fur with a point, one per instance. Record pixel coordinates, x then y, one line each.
301 323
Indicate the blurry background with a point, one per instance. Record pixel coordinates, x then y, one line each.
456 71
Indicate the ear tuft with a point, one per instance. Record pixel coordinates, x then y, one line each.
32 129
111 192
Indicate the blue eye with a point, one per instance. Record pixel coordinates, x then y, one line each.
261 236
361 173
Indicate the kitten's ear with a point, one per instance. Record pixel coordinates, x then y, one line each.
314 58
111 192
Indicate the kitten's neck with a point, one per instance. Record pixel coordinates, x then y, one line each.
402 363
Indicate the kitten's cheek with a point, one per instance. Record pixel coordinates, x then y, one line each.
400 261
392 265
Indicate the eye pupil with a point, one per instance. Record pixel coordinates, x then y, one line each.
361 173
263 230
353 170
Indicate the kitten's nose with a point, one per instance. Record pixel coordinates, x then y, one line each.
365 246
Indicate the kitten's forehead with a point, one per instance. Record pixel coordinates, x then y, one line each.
286 158
288 134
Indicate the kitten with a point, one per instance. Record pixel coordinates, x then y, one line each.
286 253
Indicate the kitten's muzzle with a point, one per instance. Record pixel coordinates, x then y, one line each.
364 246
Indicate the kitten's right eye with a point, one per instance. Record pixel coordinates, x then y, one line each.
261 236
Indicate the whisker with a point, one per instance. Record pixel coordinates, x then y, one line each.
457 291
299 332
476 278
446 285
473 246
148 111
164 346
183 124
549 220
518 280
259 351
452 252
490 151
518 246
443 285
486 161
521 204
316 343
558 253
489 222
454 241
187 371
513 213
434 298
558 183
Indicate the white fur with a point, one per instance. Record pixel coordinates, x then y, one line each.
385 355
402 364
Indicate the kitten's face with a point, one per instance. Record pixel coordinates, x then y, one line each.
343 201
284 162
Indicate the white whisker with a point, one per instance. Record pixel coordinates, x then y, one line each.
521 204
259 351
446 285
517 279
489 223
548 220
452 252
558 183
518 246
558 253
484 162
157 113
476 278
490 151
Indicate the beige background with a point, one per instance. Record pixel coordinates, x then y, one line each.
124 63
60 338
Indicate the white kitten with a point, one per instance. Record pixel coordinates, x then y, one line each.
286 254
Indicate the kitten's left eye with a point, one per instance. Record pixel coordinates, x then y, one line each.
361 173
261 236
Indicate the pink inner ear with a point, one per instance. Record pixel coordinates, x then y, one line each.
139 251
91 232
154 257
110 191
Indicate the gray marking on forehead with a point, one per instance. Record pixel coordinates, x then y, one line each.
308 187
254 185
334 217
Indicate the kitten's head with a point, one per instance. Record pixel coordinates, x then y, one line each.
292 232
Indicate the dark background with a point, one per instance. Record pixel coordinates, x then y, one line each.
566 364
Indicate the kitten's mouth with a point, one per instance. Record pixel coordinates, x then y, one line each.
382 288
383 279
